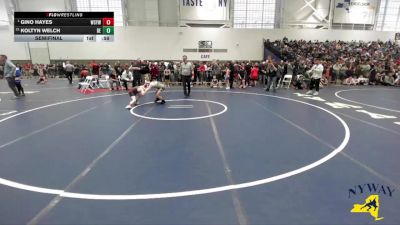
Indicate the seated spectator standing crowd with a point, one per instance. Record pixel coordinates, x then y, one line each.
310 63
348 63
354 62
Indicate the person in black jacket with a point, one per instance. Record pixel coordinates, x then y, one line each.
232 74
137 76
248 71
271 73
372 75
139 68
118 69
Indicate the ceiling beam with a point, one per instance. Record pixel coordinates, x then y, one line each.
315 10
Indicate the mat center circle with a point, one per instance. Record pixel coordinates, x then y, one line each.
182 109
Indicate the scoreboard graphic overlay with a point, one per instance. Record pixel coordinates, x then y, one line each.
64 26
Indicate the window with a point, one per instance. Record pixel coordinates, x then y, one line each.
103 6
4 19
254 13
388 16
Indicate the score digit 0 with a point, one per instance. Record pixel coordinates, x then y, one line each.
108 30
108 21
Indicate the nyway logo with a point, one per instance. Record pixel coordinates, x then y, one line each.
371 204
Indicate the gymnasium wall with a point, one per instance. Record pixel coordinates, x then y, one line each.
44 5
14 50
3 13
167 43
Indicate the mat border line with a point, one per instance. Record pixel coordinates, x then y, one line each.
192 192
360 103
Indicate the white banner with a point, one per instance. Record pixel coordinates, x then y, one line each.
355 11
209 10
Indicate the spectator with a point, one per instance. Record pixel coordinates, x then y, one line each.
76 70
9 73
161 69
118 69
196 77
372 75
95 68
216 71
42 72
316 76
202 72
272 75
343 72
254 74
127 76
135 68
154 71
228 74
51 70
397 81
144 71
232 74
84 73
18 78
36 70
336 71
27 70
167 76
243 75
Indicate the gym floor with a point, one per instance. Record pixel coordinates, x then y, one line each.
217 157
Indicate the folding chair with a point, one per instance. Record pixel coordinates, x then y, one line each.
86 84
95 81
287 80
363 80
104 81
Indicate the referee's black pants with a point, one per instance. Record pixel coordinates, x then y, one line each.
11 84
186 84
69 77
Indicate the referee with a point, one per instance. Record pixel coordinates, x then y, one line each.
69 70
186 73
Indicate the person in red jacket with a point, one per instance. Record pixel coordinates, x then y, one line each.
254 74
154 71
95 68
84 74
27 70
202 72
